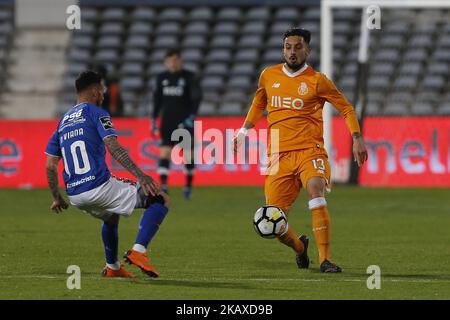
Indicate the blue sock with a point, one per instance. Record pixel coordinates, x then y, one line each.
152 217
110 238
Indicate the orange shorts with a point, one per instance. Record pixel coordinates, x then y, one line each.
291 170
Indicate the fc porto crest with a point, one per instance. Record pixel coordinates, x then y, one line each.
303 89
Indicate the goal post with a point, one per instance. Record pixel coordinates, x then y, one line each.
326 40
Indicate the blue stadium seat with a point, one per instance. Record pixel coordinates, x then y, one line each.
422 109
229 14
192 66
132 83
441 54
107 56
83 42
420 41
392 41
417 55
443 109
231 109
219 55
433 82
272 56
197 28
164 42
132 69
141 28
222 41
114 14
405 82
246 55
236 95
112 28
243 68
258 13
201 14
289 14
411 68
381 69
372 109
399 109
274 41
250 41
168 28
254 28
89 15
226 28
280 27
138 41
212 82
207 109
378 83
108 42
157 55
135 55
192 55
439 68
216 69
144 14
194 41
172 14
239 82
155 68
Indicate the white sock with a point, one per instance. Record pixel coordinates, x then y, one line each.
139 248
115 266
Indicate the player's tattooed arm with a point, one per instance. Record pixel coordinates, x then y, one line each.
120 154
52 179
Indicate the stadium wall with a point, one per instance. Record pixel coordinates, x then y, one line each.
408 152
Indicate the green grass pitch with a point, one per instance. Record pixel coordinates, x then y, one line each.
207 249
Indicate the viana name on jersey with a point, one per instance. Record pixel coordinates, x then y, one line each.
71 134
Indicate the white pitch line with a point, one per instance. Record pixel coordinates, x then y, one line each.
303 280
418 280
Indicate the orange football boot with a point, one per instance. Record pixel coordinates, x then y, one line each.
141 261
121 273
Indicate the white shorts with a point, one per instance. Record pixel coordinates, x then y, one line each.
112 197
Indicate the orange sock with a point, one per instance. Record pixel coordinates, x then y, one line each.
291 240
321 226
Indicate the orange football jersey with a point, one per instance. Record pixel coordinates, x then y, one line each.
294 102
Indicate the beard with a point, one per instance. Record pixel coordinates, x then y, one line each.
294 66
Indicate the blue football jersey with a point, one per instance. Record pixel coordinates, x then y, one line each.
78 139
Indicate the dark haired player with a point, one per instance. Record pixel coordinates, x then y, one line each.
177 96
294 94
80 139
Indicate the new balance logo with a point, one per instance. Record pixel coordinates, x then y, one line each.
276 85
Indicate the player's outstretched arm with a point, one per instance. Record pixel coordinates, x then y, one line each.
52 179
327 89
120 154
255 113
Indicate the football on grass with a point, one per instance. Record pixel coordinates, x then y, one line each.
270 221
